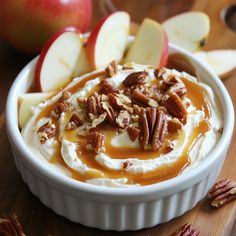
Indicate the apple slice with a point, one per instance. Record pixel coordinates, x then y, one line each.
82 65
222 62
150 45
58 59
188 30
26 101
108 39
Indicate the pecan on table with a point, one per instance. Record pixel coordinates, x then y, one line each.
95 141
135 78
10 226
186 230
222 192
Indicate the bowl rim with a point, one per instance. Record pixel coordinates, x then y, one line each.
66 183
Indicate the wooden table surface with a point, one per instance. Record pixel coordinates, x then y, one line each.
38 219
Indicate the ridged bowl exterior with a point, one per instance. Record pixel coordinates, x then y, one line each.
110 208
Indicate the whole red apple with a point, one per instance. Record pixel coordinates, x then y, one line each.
27 24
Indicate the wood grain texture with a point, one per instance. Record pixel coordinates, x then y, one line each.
38 219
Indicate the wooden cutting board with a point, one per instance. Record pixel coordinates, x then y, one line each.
37 219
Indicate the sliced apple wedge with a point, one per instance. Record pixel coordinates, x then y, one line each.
222 62
107 40
58 59
26 101
150 45
82 65
188 30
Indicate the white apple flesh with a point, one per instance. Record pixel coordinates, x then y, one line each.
150 45
26 101
222 62
188 30
107 40
58 59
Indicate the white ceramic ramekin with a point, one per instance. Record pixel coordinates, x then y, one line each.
116 208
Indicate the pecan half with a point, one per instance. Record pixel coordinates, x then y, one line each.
159 131
186 230
10 226
222 192
95 141
133 133
135 78
168 82
120 101
178 88
74 122
140 98
93 105
112 68
144 129
46 131
106 88
174 105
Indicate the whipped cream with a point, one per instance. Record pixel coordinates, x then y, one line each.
137 166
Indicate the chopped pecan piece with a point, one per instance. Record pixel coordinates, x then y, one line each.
74 122
123 119
141 98
111 113
222 192
60 107
160 130
167 83
127 164
159 72
144 129
65 95
174 125
137 109
106 88
174 105
186 230
135 78
178 88
133 133
112 68
10 226
46 131
95 141
99 120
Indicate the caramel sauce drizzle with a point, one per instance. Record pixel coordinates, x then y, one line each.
164 172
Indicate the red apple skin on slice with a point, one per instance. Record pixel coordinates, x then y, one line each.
150 45
108 39
48 84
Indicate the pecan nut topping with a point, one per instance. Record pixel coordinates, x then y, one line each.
135 78
123 119
112 68
222 192
47 131
60 107
111 113
151 117
95 141
65 95
186 230
142 99
11 226
174 125
106 88
93 105
120 101
133 133
144 129
74 122
174 105
160 130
